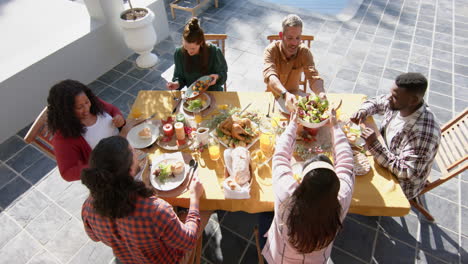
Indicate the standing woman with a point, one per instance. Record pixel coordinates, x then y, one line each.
78 119
196 58
309 213
126 215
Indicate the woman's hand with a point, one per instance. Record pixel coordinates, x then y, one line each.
172 85
214 79
196 188
293 116
118 121
290 102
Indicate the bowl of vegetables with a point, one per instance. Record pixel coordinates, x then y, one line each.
312 111
197 105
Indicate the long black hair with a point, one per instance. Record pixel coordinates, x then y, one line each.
314 209
113 189
60 109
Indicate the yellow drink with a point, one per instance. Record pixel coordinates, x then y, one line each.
267 143
136 113
198 119
214 152
222 107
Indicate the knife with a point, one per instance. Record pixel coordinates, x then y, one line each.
177 105
245 108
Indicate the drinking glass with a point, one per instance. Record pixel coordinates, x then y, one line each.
134 111
213 149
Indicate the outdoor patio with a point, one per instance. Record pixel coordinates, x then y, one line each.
40 212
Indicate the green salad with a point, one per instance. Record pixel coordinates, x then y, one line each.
312 109
193 105
163 172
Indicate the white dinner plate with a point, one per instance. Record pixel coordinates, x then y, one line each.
137 142
206 98
170 183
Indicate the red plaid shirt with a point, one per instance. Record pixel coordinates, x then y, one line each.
412 150
151 234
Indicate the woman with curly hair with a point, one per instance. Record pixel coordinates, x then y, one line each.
78 120
127 216
196 58
309 213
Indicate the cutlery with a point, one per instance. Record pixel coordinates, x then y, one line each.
175 108
245 108
145 119
193 167
268 114
274 103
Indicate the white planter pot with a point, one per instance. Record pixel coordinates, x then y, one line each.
140 36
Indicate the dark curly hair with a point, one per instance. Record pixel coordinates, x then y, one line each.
314 209
113 189
61 103
193 33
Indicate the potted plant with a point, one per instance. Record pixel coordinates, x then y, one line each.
139 34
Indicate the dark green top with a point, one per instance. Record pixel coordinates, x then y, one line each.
216 65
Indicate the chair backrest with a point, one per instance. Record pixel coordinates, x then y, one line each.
306 39
40 136
452 155
220 41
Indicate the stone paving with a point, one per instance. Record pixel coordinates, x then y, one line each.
40 213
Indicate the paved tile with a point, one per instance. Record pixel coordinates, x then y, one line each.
122 103
53 185
229 248
46 225
43 257
10 147
97 86
24 158
388 250
441 87
39 169
240 222
442 115
93 253
9 229
6 175
110 94
124 83
445 212
338 256
110 76
356 234
140 86
22 133
28 207
138 73
464 193
68 240
12 191
463 249
73 198
124 66
464 221
439 242
20 249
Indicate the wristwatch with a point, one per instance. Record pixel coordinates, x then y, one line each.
283 94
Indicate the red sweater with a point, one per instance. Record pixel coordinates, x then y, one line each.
72 153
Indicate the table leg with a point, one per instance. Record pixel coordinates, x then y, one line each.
172 12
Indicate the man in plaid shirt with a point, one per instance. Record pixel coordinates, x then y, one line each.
411 134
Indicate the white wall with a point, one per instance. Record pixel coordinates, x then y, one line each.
23 95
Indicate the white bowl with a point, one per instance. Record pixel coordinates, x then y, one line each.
312 125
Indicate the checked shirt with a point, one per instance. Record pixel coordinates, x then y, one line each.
151 234
412 150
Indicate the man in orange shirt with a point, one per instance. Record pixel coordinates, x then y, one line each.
286 60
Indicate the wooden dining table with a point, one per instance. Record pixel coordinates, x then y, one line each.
375 194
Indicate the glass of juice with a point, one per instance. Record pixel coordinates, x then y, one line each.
135 111
213 149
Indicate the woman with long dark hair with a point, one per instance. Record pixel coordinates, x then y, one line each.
196 58
78 119
309 214
127 216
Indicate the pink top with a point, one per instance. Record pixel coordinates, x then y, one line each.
277 248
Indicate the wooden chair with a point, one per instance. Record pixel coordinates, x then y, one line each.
306 39
451 157
220 41
257 243
40 136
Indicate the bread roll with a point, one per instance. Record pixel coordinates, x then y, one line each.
177 167
145 133
240 165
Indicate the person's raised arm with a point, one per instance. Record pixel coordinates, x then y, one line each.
180 235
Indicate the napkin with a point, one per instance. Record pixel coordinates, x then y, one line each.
239 192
